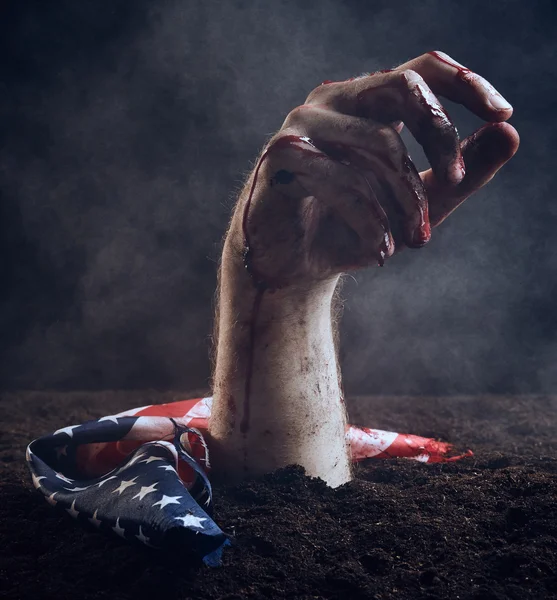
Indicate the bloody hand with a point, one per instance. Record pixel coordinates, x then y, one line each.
335 188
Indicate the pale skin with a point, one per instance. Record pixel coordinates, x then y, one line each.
334 191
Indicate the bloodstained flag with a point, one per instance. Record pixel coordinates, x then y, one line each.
142 474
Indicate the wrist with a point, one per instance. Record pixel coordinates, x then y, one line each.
276 359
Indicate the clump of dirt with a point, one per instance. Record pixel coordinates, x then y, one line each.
483 528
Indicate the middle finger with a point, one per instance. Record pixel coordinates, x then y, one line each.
401 96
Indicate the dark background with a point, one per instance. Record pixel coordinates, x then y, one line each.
127 128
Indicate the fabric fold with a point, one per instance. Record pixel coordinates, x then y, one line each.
142 474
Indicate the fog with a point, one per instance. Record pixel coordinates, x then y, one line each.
128 128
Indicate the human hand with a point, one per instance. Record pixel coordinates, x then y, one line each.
335 189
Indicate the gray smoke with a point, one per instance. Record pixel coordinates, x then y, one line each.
130 130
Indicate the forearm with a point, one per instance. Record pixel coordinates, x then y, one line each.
334 190
277 397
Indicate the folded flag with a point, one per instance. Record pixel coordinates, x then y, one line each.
142 474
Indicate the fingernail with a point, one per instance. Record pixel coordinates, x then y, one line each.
421 236
448 59
498 102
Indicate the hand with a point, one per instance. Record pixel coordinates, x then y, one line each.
335 189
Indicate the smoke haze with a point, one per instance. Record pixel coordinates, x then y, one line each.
128 127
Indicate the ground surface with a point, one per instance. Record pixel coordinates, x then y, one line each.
481 529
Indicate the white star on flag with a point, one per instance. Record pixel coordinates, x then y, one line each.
101 483
167 467
77 489
37 480
112 418
167 500
124 484
71 511
152 459
145 489
67 430
64 478
142 538
50 499
119 530
190 520
96 522
135 459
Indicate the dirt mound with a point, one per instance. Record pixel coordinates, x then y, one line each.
484 528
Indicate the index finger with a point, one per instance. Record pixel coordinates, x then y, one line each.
446 77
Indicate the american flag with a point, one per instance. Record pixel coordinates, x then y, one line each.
141 475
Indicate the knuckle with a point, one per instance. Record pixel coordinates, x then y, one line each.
274 163
279 142
314 94
296 115
410 78
469 77
277 155
431 56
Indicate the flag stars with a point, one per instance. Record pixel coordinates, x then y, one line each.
64 478
167 500
112 418
71 511
67 430
152 459
94 521
101 483
135 459
119 530
77 489
124 484
191 521
142 538
145 489
37 480
60 451
167 468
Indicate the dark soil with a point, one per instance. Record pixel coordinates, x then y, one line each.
481 529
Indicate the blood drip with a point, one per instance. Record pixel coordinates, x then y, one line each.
260 282
231 403
258 279
244 425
